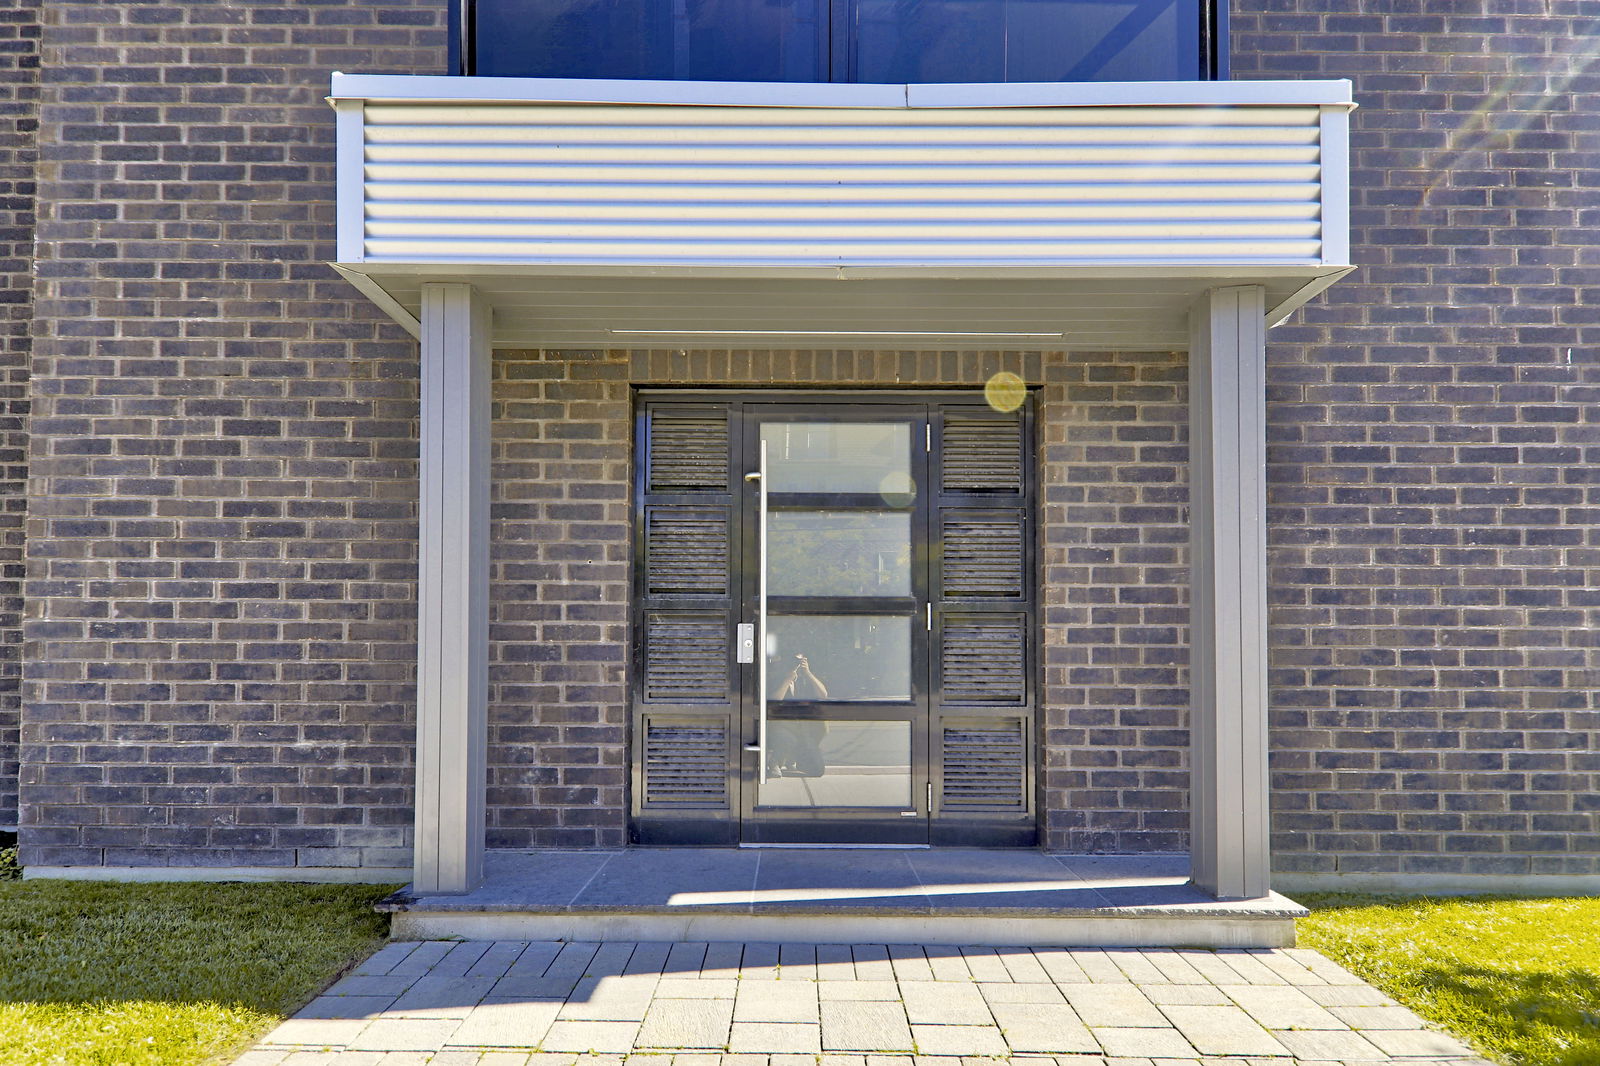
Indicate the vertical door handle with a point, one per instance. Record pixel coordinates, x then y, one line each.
759 476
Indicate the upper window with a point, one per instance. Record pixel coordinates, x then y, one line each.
886 41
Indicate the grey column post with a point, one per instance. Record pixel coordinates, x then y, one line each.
1228 612
453 590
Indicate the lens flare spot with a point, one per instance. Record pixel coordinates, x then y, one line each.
1005 391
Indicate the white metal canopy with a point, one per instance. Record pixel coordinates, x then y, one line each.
678 214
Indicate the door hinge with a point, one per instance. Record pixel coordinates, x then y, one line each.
746 643
927 435
930 797
930 616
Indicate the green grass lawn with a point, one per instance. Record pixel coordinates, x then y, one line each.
97 974
1518 978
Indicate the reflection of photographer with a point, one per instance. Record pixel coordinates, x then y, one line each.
801 684
796 747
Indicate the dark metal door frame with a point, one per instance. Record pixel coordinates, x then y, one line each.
709 724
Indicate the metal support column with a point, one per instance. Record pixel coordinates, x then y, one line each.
1228 612
453 590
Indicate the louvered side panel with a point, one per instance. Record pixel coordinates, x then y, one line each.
685 763
982 554
984 764
984 659
685 657
686 551
981 454
689 451
775 186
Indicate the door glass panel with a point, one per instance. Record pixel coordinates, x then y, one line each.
834 457
838 657
838 764
839 553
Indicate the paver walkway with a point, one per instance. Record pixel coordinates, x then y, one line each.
514 1003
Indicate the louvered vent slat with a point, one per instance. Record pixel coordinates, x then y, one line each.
984 766
686 551
686 763
982 555
984 659
688 452
982 454
686 659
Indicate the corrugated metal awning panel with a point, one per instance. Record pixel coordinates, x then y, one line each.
675 185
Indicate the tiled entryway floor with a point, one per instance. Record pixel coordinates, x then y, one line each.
515 1003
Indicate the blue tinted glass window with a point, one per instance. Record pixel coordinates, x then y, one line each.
889 41
694 40
1025 40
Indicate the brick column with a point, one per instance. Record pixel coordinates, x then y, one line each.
453 590
1228 602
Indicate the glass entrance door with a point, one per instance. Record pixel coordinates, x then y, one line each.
835 553
834 619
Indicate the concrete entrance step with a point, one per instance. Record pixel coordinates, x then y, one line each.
942 896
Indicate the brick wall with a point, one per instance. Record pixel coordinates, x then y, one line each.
19 69
1435 451
221 537
219 648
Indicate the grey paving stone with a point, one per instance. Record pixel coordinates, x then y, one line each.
441 997
947 963
1281 1007
603 1037
1143 1043
1021 993
829 1060
503 1058
390 985
959 1040
506 1023
1192 995
1043 1027
315 1032
384 959
1341 1045
1021 965
775 1038
345 1007
460 958
610 999
777 1001
424 958
1377 1017
405 1034
500 957
686 1023
530 987
985 965
1114 1006
261 1057
455 1058
844 990
944 1003
863 1025
1415 1042
1057 962
1347 996
1223 1031
696 988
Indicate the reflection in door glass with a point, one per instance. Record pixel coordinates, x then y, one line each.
838 764
840 457
838 657
839 553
